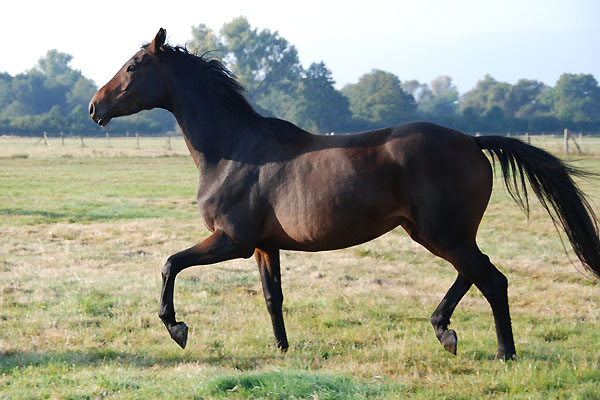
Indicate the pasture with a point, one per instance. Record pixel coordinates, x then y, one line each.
86 230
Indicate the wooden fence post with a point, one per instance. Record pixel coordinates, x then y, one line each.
108 138
567 137
62 138
527 137
576 144
137 140
82 144
169 142
46 141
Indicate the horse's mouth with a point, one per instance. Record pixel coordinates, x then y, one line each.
103 121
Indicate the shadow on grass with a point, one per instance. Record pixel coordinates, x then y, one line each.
256 384
129 212
35 213
11 361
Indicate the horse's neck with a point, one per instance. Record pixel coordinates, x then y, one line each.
212 135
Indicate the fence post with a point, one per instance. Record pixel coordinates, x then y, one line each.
169 142
62 138
576 144
568 136
82 144
527 137
137 140
108 138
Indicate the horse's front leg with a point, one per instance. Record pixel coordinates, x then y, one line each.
270 275
217 247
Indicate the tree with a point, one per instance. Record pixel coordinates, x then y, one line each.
442 85
205 40
80 93
488 93
525 98
28 96
516 101
493 119
443 100
55 65
6 96
79 119
321 108
575 98
264 61
419 91
379 100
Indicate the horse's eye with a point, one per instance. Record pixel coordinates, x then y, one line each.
131 67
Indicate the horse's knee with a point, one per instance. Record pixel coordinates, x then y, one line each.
168 269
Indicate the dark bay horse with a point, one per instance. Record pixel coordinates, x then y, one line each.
267 185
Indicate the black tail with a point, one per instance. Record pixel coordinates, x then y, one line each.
552 182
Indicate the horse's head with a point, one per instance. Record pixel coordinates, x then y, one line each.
139 85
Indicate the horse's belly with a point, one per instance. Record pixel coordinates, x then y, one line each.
336 230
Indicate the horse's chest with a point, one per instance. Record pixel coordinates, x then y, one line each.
219 200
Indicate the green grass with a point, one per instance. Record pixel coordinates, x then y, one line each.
39 191
84 237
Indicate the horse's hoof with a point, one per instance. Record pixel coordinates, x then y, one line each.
283 348
179 333
449 340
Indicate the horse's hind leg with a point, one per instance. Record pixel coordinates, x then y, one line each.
270 275
476 267
440 319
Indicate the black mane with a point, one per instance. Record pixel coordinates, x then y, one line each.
221 81
225 87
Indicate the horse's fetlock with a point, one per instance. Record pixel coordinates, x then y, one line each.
166 315
438 321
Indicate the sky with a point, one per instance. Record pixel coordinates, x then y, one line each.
464 39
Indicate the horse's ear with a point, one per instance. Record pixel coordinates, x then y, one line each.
158 41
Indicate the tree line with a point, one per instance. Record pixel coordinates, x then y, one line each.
53 97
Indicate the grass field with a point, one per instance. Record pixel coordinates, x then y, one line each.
85 232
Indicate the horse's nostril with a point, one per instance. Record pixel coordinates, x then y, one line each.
92 109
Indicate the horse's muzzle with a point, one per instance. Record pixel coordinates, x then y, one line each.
95 115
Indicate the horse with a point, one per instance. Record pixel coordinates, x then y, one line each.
266 185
